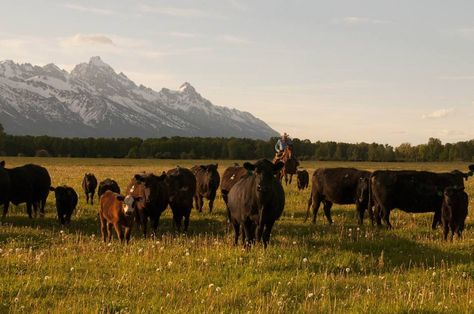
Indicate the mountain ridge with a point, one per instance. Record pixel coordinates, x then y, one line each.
94 101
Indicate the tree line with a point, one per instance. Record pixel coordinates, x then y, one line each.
228 148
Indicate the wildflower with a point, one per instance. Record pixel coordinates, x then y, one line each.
310 295
433 274
72 268
211 285
47 277
140 250
168 295
218 289
187 253
294 242
464 275
305 260
204 260
368 290
348 270
170 263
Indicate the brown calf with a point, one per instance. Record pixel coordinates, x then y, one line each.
116 210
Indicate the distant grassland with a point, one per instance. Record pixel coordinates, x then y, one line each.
307 268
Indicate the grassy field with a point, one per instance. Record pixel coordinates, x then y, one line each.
306 269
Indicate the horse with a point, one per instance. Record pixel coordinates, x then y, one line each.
290 164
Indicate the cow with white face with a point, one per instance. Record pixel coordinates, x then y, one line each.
148 195
116 211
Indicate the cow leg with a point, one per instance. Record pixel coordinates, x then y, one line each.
266 233
378 215
260 231
196 202
128 231
249 233
242 230
103 229
291 177
286 178
143 223
386 217
316 204
118 231
177 221
87 198
445 230
29 210
35 209
327 211
42 206
236 232
5 209
154 223
361 211
211 205
186 220
201 203
436 219
92 198
109 231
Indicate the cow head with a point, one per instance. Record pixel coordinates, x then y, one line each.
176 186
62 193
451 194
264 172
211 176
2 164
128 203
362 190
89 178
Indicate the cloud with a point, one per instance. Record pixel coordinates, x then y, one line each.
357 20
93 10
456 77
238 5
467 32
176 11
183 35
235 40
437 114
87 40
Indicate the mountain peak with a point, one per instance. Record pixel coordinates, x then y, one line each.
187 87
97 61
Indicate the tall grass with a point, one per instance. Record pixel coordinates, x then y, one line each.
307 268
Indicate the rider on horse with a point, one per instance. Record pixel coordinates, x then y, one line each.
283 144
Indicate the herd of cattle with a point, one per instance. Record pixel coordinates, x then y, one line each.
253 195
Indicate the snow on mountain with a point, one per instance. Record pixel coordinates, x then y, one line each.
93 100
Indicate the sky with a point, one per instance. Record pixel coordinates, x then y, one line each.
353 71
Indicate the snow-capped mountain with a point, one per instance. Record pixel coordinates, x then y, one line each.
93 100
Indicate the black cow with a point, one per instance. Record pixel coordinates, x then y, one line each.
256 202
411 191
28 184
89 184
340 186
5 186
151 199
302 177
454 211
66 202
207 183
181 184
108 185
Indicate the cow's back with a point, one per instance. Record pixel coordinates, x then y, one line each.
338 185
242 199
231 176
110 206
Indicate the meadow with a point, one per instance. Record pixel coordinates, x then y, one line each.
307 268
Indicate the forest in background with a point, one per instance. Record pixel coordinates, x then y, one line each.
228 148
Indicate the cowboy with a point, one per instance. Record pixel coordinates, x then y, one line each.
283 143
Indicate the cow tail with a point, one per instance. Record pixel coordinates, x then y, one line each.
310 202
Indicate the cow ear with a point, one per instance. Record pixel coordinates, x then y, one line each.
203 167
217 166
2 164
139 178
278 166
52 188
120 198
249 166
162 177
